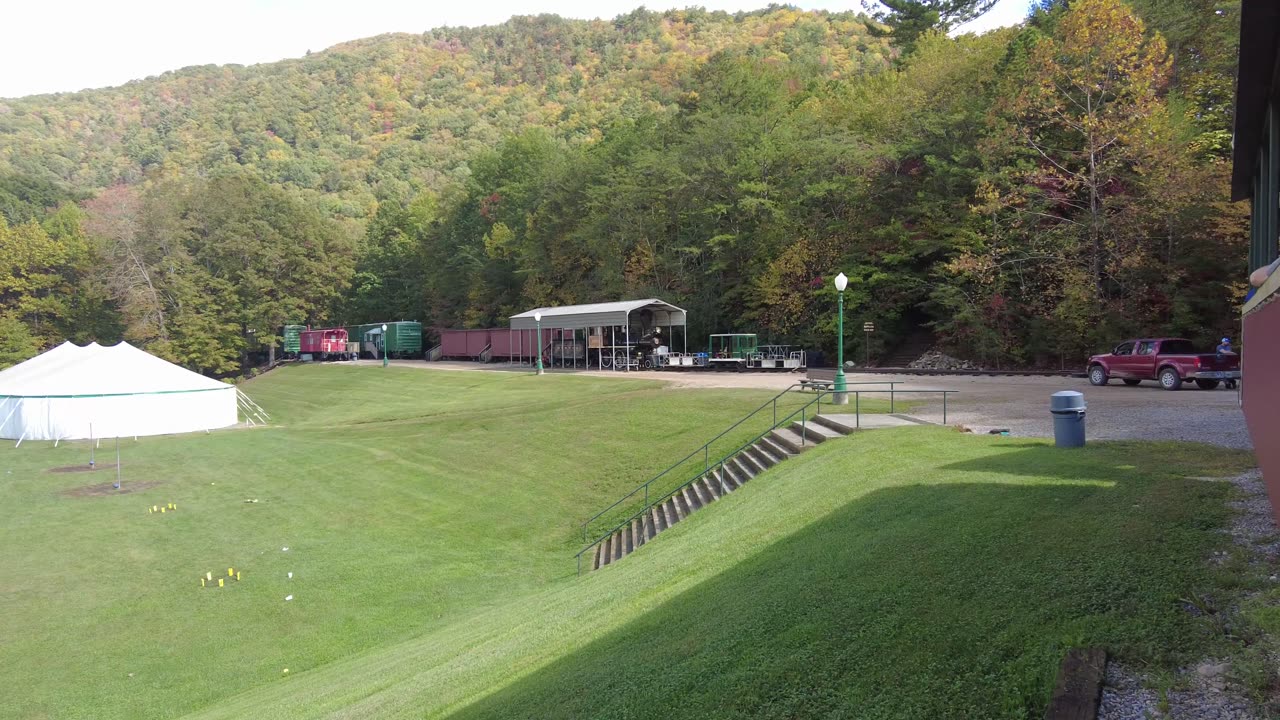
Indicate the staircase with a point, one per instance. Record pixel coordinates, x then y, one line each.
724 477
907 351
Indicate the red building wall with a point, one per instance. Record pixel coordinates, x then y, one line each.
1261 390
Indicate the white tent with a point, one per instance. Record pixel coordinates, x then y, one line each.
75 393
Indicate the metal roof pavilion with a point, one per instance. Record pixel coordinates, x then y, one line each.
577 317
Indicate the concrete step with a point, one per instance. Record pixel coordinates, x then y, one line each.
726 483
763 458
637 532
790 440
711 486
669 513
774 448
704 498
657 523
749 461
815 432
595 562
690 499
681 506
744 466
608 551
839 423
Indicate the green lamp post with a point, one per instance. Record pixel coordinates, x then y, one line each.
537 319
384 344
841 387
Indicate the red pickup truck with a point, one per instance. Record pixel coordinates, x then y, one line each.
1167 360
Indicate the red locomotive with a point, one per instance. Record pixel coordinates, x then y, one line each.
329 343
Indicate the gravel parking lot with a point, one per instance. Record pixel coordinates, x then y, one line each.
1021 404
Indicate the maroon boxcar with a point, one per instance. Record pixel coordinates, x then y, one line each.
463 343
325 343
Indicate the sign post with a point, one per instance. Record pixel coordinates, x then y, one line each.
867 329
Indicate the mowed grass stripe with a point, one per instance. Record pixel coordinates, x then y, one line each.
901 573
396 527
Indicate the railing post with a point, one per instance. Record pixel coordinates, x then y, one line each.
775 412
579 564
891 398
857 410
804 436
944 407
646 494
706 457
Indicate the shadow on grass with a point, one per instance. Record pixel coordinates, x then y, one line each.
942 601
1108 460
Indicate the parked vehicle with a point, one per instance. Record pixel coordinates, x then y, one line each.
1170 361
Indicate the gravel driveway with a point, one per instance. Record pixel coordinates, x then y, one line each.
1115 411
983 403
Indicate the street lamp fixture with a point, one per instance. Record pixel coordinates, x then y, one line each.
384 344
841 386
537 320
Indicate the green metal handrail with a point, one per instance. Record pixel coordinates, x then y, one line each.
705 448
729 456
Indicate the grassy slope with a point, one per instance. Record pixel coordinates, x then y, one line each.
904 573
467 499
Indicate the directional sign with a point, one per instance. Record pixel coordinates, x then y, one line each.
868 327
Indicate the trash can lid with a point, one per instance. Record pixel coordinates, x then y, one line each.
1066 400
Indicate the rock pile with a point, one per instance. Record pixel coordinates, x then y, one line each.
935 360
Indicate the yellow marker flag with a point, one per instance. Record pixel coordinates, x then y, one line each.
237 576
230 572
154 508
162 509
201 582
209 575
219 582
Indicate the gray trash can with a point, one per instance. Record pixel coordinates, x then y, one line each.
1068 418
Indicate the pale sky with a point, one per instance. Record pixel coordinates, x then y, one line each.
67 45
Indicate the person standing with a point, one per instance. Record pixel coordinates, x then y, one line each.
1224 348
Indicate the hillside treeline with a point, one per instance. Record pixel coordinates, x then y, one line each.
1027 196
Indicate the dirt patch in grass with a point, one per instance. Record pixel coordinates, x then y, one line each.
104 489
71 469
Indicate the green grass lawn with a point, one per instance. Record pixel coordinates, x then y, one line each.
431 519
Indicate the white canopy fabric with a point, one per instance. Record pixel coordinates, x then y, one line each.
74 393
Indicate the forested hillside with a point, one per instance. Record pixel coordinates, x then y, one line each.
1029 194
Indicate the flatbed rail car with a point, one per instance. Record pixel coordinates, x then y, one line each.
325 344
777 357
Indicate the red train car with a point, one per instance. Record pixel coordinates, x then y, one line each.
325 343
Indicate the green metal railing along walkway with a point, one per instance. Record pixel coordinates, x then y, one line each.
793 433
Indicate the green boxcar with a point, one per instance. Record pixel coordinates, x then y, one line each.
292 339
404 339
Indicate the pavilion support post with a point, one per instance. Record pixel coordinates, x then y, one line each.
628 341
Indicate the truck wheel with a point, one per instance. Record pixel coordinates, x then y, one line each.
1131 381
1206 384
1098 376
1169 379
